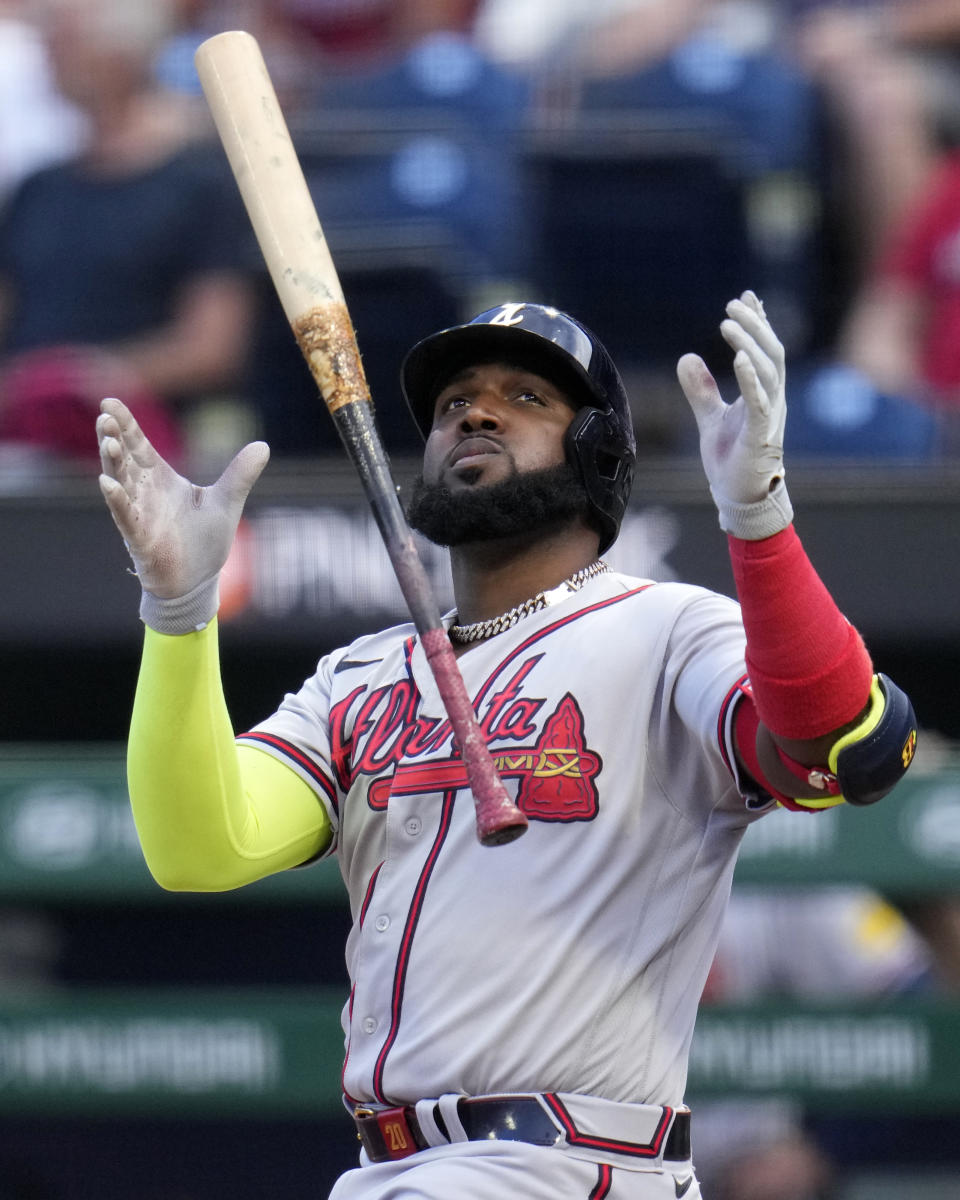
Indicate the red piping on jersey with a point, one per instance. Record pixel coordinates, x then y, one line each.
292 752
535 637
346 1055
368 896
604 1182
609 1145
738 689
403 960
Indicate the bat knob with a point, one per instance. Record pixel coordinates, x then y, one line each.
507 833
507 827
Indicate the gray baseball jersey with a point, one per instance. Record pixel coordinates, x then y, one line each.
571 960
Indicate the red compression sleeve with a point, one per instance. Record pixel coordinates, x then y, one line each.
808 666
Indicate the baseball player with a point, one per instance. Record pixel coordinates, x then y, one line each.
519 1018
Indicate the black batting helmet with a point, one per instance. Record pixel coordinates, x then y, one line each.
600 441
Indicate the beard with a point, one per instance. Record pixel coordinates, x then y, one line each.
524 505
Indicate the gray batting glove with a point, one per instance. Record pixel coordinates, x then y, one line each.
741 444
179 535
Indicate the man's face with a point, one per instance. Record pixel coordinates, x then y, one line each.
494 421
494 465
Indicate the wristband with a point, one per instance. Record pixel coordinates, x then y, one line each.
182 614
758 520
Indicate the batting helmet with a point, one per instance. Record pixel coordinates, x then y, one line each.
600 441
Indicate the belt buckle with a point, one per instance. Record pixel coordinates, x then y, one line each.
359 1114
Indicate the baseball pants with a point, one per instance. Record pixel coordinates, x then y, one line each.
506 1170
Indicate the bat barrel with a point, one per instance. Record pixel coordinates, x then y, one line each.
252 128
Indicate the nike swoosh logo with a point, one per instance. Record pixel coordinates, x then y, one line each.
682 1186
347 664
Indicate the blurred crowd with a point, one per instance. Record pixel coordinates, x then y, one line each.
637 162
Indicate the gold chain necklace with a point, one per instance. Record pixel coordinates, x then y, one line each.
484 629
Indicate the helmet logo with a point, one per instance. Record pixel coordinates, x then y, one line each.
509 314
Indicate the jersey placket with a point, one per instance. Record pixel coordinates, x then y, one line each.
390 922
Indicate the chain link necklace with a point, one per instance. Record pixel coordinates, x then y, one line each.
484 629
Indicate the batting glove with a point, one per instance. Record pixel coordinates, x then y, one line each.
741 444
179 535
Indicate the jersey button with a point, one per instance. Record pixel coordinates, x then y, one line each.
369 1025
382 922
412 826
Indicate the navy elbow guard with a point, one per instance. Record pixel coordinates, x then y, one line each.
872 758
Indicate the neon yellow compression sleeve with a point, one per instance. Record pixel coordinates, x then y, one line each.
210 815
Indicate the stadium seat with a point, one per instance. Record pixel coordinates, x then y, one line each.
833 411
432 136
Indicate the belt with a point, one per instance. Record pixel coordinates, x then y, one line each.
394 1133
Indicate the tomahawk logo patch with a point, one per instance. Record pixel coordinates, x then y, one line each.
558 779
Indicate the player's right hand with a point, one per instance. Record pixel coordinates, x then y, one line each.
178 534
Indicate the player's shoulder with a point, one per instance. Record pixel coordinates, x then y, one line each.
670 593
372 647
670 604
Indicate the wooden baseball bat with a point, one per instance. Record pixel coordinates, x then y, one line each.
254 134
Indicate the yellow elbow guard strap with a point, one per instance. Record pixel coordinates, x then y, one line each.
871 758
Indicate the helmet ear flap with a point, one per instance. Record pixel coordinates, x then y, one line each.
594 444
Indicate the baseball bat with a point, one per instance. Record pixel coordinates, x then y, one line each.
251 125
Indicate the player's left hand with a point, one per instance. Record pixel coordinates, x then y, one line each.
741 444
